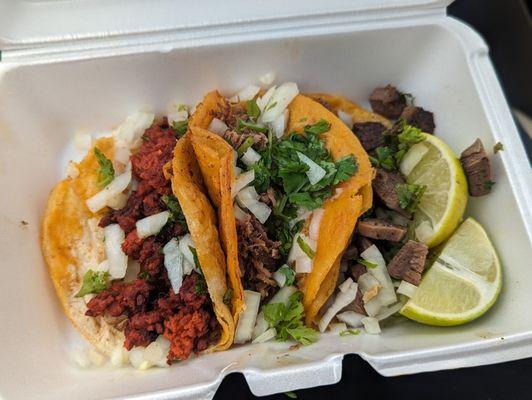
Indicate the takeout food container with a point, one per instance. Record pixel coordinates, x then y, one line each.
85 65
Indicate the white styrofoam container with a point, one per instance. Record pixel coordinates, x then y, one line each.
57 79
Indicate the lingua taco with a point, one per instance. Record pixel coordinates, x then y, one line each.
132 246
289 180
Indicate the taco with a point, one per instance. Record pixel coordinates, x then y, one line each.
131 242
289 180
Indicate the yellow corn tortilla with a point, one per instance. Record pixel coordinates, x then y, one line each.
72 243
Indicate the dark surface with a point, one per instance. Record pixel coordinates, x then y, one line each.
506 27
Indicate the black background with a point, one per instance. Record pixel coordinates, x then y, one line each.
506 27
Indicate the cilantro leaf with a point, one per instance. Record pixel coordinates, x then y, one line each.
498 147
410 134
289 274
305 247
488 184
200 286
288 320
292 395
367 263
106 171
176 213
241 124
245 146
228 296
348 332
409 195
196 259
384 158
93 282
252 109
180 127
346 167
318 128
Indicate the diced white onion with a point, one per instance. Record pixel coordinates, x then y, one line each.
119 356
371 325
218 126
337 193
373 306
242 181
136 358
280 278
261 326
343 298
72 170
263 101
153 353
407 289
237 170
315 173
314 227
107 194
412 157
280 99
122 154
296 252
114 237
248 93
240 215
164 344
301 214
152 225
103 266
173 262
129 133
82 141
258 209
337 327
281 296
388 311
387 294
369 286
351 318
278 125
424 231
96 358
267 78
177 113
303 265
185 243
246 322
346 118
118 202
248 193
250 157
268 335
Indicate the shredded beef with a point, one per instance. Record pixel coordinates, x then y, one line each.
268 198
257 255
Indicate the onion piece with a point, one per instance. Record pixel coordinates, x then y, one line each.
279 278
407 289
282 296
250 157
371 325
280 99
314 227
185 243
388 311
248 198
119 356
242 181
136 358
153 353
296 251
346 118
261 326
82 142
373 306
268 335
118 202
246 322
248 93
315 173
351 318
130 132
114 237
369 286
152 225
164 344
267 78
344 297
424 231
177 113
240 215
387 294
218 126
113 189
303 265
278 126
173 262
263 101
248 193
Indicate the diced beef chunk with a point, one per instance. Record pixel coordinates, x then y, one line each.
419 118
384 187
363 243
387 101
409 262
378 229
477 167
358 304
356 270
351 253
370 134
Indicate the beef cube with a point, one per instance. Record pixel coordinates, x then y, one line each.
379 229
370 134
358 304
363 243
356 270
384 187
387 101
477 167
351 253
409 262
419 118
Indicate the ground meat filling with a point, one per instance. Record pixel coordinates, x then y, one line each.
149 303
257 255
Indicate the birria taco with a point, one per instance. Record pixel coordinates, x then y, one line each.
289 180
132 246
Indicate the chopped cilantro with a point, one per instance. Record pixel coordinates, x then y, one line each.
350 332
93 282
288 320
367 263
252 109
384 158
106 171
228 295
180 127
251 126
292 395
305 247
176 213
488 184
498 147
409 195
196 259
200 286
289 274
245 146
318 128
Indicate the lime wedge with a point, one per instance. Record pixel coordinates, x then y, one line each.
462 284
433 164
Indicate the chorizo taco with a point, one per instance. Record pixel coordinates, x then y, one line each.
289 180
133 249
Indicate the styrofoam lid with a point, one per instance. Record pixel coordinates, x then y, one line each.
33 23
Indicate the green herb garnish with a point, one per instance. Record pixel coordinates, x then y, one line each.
93 282
252 109
200 286
409 195
305 247
488 184
498 147
176 213
288 320
228 296
384 158
271 106
245 146
106 171
292 395
367 263
251 126
180 127
289 274
350 332
195 256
